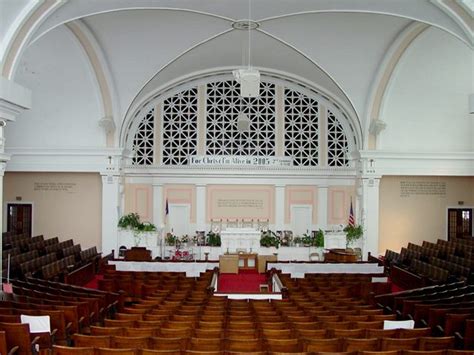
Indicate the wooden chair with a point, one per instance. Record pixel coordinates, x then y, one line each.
18 335
424 352
66 350
121 323
96 341
382 333
111 331
175 344
399 344
322 345
125 342
141 332
382 352
205 344
378 324
166 352
347 333
312 333
358 344
243 345
208 333
112 351
3 345
414 333
458 352
283 345
277 333
436 343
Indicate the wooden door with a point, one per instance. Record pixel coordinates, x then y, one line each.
459 223
19 218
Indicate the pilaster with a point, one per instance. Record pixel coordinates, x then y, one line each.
322 207
201 207
110 212
280 207
158 213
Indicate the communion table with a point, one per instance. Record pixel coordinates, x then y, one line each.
240 239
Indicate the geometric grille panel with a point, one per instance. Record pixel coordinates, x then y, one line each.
224 104
301 128
180 127
143 142
338 147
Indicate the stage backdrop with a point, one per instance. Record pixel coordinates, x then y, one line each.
240 202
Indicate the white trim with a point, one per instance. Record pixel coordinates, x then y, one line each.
5 213
378 163
65 159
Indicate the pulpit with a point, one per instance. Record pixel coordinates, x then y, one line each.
138 254
340 256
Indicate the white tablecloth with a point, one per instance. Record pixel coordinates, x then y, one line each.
191 269
299 270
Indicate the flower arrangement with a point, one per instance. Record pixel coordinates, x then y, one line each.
269 239
171 239
213 239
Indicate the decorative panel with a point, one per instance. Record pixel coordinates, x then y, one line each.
180 129
224 104
338 148
301 128
143 142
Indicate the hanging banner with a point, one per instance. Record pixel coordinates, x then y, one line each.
233 160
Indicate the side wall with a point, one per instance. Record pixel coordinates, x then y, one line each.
65 205
426 104
415 208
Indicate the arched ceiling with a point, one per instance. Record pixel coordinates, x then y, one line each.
338 46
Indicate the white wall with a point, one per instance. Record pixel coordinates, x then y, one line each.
9 12
65 108
426 104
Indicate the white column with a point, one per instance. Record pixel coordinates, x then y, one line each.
110 212
323 207
158 218
2 172
201 207
370 214
280 207
14 99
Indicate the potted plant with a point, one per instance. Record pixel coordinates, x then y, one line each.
353 233
213 239
171 239
132 222
319 239
307 240
269 239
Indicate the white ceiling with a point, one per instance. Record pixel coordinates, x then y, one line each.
336 45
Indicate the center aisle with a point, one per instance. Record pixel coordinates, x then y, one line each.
244 282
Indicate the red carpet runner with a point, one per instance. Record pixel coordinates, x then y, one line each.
241 283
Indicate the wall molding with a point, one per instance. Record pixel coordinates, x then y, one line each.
58 159
379 163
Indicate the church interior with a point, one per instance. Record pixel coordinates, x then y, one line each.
237 176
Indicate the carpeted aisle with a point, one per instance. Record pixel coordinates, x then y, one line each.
241 283
94 283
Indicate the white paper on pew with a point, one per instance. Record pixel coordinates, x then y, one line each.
38 324
379 279
398 324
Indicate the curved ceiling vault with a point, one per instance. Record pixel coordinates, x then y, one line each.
146 49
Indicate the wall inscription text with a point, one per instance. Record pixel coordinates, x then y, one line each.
427 188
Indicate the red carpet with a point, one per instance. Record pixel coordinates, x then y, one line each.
94 282
241 283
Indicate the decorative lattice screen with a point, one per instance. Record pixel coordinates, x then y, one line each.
144 140
338 147
301 128
180 129
223 107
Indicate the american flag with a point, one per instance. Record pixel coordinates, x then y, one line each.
167 211
351 217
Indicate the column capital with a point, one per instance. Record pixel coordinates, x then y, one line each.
201 184
157 184
14 99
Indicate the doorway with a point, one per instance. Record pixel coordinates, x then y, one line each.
301 219
459 223
179 216
19 218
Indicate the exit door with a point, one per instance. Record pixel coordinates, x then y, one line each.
19 219
459 223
